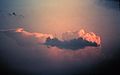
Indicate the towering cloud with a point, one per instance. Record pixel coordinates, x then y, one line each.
70 40
88 36
92 37
75 40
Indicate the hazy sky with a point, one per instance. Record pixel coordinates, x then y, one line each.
57 16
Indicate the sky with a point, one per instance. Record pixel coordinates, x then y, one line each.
40 19
60 15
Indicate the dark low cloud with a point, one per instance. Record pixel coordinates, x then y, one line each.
75 40
73 44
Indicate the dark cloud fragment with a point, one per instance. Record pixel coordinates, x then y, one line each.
15 14
73 44
12 14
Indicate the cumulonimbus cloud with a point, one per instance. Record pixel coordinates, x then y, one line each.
70 40
75 40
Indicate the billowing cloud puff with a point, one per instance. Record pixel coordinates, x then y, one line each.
88 36
75 40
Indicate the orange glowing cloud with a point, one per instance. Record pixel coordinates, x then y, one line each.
67 36
40 36
89 36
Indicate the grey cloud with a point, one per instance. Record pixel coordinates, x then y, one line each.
73 44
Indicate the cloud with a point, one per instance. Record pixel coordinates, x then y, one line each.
15 14
70 40
25 38
89 36
73 44
7 13
12 14
75 40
